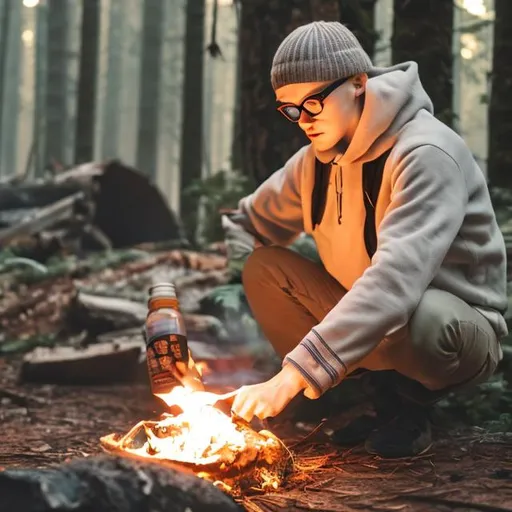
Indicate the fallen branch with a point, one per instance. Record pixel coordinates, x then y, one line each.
44 218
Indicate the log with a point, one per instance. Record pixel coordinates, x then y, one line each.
36 195
98 314
109 484
44 218
99 364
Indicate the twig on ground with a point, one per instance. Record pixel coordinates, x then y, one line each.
310 434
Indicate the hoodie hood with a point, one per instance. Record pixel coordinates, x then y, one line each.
393 97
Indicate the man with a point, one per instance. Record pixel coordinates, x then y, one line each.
412 293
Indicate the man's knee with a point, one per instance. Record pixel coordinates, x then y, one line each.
450 339
433 324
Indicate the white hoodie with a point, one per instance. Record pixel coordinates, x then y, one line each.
434 221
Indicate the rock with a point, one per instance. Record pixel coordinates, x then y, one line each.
109 484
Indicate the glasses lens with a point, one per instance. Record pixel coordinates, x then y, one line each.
292 113
313 106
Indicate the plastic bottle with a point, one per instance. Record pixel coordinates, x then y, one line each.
168 356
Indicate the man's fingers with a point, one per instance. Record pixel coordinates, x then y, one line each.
263 413
246 411
239 400
243 406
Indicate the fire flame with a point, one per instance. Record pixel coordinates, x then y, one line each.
204 437
198 435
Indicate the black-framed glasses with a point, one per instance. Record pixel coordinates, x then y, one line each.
312 105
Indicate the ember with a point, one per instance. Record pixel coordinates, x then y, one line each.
223 450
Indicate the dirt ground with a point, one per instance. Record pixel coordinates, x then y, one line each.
466 470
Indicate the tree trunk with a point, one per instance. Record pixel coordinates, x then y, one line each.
86 101
56 81
267 138
4 38
359 17
192 133
150 80
500 110
422 32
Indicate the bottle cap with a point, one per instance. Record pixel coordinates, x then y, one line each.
161 290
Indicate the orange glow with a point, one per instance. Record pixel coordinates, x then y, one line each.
206 439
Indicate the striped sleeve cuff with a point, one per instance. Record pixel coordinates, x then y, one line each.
317 362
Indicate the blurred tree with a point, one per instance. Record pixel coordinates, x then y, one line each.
149 91
359 16
500 109
422 32
56 81
4 38
192 117
86 97
267 140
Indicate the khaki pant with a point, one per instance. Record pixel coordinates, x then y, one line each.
446 344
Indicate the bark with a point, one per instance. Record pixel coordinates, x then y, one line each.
422 32
150 83
500 109
267 138
192 132
86 100
109 484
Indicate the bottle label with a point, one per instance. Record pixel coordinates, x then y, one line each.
162 353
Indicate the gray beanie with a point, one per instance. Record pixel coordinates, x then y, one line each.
317 52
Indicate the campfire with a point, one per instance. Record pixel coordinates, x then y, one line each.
221 449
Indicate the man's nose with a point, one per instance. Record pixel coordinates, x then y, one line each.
305 120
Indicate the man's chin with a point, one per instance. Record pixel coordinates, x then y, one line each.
319 144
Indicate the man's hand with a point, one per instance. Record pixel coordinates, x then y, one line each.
271 397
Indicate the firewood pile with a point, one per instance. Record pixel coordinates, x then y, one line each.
230 454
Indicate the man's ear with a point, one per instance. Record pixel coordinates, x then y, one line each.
359 82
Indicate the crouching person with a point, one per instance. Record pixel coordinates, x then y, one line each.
412 290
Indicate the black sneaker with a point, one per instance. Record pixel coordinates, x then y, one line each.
406 435
357 431
386 403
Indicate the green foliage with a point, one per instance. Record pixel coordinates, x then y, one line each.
23 271
21 345
221 190
483 405
229 304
